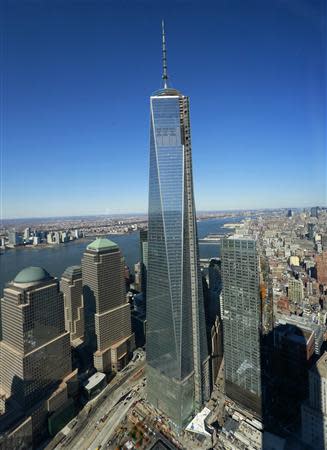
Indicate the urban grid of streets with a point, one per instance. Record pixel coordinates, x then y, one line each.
87 430
96 427
294 243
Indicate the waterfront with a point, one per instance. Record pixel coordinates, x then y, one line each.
56 258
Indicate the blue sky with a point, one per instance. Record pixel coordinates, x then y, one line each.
75 102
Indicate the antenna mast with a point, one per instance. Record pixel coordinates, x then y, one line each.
164 57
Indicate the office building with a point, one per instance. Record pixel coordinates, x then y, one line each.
27 233
295 290
13 238
107 314
321 267
293 350
144 259
311 231
36 375
289 213
177 355
314 410
215 288
77 234
36 240
71 286
138 277
315 211
242 321
318 247
138 316
64 236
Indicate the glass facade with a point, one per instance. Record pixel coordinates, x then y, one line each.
176 340
242 321
35 349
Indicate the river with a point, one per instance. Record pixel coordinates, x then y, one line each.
55 259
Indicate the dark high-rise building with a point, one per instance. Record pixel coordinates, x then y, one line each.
315 211
292 355
107 313
35 366
215 287
13 238
144 259
177 355
311 230
72 287
242 321
314 409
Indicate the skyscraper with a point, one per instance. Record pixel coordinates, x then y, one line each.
13 238
321 266
107 313
177 356
315 211
215 287
314 410
311 231
242 321
144 259
35 367
71 287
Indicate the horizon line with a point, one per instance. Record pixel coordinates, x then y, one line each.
138 213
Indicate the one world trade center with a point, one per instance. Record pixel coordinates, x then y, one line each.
176 346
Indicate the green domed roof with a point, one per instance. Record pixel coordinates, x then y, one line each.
31 275
102 244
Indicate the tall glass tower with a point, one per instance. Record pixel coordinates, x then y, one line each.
177 356
242 321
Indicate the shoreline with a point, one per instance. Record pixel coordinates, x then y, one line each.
45 245
89 238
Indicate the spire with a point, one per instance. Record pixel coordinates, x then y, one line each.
164 56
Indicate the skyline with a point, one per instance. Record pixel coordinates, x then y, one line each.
260 86
141 214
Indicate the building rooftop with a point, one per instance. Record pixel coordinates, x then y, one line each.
94 380
166 92
32 275
101 244
197 424
72 272
241 237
